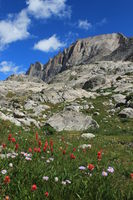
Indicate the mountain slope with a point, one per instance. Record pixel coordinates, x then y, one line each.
111 47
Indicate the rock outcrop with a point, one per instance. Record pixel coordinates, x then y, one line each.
110 47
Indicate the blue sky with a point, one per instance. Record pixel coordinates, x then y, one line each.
36 30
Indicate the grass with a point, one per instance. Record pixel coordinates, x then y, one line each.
113 138
117 152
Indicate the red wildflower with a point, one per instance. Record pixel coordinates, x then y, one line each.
91 167
36 136
30 150
72 156
99 155
74 149
7 179
39 143
46 194
9 137
4 146
38 150
35 149
16 147
13 140
131 175
64 152
34 187
44 148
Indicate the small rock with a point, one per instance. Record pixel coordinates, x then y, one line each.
87 135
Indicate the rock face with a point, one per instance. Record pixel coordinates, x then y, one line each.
126 113
70 121
111 47
89 70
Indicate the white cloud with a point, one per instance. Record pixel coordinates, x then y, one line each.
50 44
8 67
14 28
84 24
46 8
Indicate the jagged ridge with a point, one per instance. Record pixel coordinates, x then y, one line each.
111 47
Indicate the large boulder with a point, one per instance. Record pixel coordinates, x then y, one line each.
126 113
72 121
94 82
119 98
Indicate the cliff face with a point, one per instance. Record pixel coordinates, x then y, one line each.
111 47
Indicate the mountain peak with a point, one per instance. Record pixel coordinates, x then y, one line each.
84 51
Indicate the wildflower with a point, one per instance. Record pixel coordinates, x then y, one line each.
4 171
10 165
9 137
34 187
110 169
68 181
45 178
38 150
30 150
91 167
48 161
4 146
104 173
82 168
74 149
46 194
72 156
27 158
7 198
35 149
7 179
63 182
39 143
16 147
131 175
36 136
51 159
56 179
99 155
13 140
64 152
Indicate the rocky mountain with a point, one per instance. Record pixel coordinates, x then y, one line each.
87 87
110 47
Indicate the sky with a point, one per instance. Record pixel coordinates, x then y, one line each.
36 30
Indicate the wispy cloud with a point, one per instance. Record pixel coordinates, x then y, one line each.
84 24
45 9
7 67
49 45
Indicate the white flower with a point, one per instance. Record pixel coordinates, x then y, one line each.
68 181
47 161
51 159
45 178
4 171
27 158
104 173
13 156
110 169
10 165
56 179
63 182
